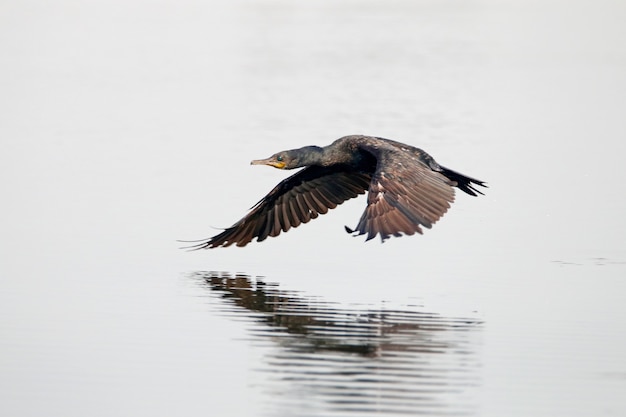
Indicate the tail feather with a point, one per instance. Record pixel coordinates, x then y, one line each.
464 183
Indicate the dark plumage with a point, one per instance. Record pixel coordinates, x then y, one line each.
406 189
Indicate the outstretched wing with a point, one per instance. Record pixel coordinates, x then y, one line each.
404 194
295 200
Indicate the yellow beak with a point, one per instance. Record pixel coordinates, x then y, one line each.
269 161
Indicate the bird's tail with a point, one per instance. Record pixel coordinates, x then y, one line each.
464 183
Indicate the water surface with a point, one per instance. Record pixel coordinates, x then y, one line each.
352 359
127 126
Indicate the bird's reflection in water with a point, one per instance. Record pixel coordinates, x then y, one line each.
352 360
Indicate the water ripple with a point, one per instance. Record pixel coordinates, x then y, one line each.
337 360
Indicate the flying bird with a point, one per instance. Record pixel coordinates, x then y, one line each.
406 190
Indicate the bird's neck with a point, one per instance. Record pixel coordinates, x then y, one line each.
311 155
333 154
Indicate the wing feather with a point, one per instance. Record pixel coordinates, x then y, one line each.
297 199
404 194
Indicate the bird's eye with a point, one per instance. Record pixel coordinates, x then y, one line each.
279 158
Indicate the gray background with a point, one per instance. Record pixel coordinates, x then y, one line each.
127 125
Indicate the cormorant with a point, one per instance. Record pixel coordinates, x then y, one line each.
406 189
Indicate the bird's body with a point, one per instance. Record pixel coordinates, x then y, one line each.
406 189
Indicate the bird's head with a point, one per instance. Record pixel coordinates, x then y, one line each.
280 160
295 158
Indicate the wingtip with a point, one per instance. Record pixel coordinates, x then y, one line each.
203 244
